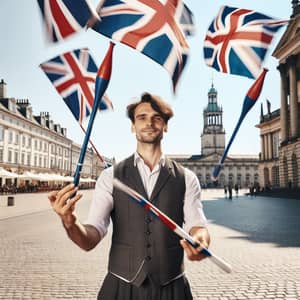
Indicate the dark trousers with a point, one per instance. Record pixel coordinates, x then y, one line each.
114 288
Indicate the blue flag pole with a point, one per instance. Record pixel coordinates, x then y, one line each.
102 80
249 101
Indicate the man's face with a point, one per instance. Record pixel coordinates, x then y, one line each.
148 125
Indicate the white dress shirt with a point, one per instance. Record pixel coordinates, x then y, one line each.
102 202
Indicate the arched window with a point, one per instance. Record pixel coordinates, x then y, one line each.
239 179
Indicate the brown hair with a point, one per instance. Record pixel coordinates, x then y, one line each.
157 104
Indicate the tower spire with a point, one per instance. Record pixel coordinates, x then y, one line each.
213 135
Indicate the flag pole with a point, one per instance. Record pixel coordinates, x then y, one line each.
250 99
139 199
94 148
102 80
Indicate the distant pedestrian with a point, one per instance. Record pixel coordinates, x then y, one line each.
230 191
236 188
225 191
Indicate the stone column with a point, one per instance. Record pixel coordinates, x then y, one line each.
270 152
266 147
293 96
263 155
283 108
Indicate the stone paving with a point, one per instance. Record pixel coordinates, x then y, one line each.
258 236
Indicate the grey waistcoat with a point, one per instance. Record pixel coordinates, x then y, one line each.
141 244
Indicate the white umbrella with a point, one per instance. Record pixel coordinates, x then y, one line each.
7 174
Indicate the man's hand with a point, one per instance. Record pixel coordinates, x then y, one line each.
63 205
201 236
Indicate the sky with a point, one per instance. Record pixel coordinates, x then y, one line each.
23 48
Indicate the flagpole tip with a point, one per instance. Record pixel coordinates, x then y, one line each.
104 71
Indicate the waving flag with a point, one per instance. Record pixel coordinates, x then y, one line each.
63 18
155 28
74 75
249 101
238 39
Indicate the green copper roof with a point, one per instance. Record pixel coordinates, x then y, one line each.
212 107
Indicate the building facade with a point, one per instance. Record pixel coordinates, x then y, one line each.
280 131
270 137
237 169
37 144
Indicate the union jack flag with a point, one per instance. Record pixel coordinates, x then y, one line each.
74 74
155 28
238 39
63 18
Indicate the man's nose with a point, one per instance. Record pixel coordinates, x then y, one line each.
150 121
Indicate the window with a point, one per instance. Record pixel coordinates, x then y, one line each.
1 155
23 140
35 144
17 139
16 157
248 177
29 142
10 137
207 178
239 179
9 156
1 133
28 159
23 158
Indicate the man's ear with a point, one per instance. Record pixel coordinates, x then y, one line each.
132 128
166 128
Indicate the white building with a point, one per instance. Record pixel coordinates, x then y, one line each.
237 169
37 144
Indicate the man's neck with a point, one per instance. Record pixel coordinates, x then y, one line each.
150 153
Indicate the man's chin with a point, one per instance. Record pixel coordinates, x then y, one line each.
150 140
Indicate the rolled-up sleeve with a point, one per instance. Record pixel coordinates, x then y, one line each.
193 208
102 202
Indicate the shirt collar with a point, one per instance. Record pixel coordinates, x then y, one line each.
138 158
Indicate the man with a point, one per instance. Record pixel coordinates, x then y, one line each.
146 258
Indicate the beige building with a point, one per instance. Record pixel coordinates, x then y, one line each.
237 169
36 144
280 130
270 137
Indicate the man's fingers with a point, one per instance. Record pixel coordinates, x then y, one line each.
63 198
66 189
72 202
52 196
191 252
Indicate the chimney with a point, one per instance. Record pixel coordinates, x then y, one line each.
296 7
2 89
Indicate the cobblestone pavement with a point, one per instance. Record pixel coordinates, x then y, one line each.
258 236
